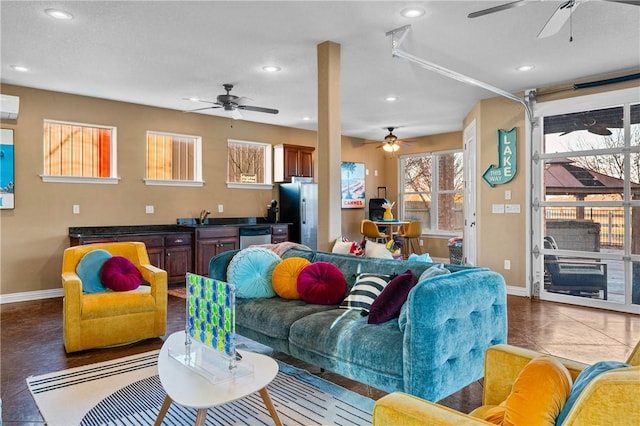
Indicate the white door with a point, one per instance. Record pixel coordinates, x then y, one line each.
470 159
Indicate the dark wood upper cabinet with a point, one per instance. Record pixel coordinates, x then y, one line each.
292 160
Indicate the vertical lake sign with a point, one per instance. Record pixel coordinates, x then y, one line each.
506 168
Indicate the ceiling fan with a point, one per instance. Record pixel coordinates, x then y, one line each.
555 22
233 103
391 142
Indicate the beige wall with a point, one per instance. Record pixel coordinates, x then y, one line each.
500 237
35 233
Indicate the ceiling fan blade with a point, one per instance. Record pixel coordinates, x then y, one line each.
558 19
631 2
202 109
496 9
258 109
242 100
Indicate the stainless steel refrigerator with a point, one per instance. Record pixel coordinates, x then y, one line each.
299 206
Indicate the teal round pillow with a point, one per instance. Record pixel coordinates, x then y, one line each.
250 272
89 269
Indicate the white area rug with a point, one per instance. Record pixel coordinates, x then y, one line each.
127 391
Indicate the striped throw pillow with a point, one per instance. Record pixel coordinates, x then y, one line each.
364 291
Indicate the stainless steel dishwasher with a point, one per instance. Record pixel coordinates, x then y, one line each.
254 235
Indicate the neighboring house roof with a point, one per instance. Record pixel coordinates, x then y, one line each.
562 177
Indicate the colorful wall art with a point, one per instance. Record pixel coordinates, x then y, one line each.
7 173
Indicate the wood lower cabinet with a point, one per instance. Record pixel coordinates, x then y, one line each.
211 241
171 252
182 250
279 233
178 257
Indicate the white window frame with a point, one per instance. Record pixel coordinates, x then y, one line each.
432 229
197 162
268 173
113 158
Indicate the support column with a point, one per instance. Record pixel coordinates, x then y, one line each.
329 144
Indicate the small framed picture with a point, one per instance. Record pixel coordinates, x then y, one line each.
7 174
352 185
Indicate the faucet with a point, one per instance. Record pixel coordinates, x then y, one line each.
203 216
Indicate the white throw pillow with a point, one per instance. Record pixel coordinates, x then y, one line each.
342 247
379 250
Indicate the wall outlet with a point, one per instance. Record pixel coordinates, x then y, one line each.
507 194
421 243
220 208
507 264
76 209
148 209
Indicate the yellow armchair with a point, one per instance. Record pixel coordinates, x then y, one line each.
92 320
611 398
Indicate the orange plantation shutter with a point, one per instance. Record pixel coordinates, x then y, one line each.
105 152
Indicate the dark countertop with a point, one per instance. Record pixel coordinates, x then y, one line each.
182 225
85 231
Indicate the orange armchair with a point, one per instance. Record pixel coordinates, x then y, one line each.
92 320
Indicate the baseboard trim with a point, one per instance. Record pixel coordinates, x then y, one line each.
518 291
30 295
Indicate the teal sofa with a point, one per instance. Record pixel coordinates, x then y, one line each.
451 320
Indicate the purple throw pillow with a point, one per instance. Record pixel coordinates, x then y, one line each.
388 304
321 283
120 274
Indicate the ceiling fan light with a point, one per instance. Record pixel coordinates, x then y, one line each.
395 147
387 147
235 114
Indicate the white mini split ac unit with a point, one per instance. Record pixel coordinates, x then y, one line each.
9 106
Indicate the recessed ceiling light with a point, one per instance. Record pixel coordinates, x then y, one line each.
390 99
271 68
19 68
306 118
412 12
525 68
193 99
58 14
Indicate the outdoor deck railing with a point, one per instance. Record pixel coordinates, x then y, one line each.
611 222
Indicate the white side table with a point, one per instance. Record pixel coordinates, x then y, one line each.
190 389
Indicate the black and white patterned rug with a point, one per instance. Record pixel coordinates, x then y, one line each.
127 391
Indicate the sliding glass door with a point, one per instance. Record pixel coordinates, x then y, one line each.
586 200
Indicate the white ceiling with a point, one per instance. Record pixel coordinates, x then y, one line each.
160 52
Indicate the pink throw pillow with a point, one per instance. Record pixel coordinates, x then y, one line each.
321 283
120 274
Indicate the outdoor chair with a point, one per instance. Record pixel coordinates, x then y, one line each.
571 275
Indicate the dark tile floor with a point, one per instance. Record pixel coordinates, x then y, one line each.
31 344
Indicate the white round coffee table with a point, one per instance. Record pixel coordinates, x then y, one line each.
190 389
